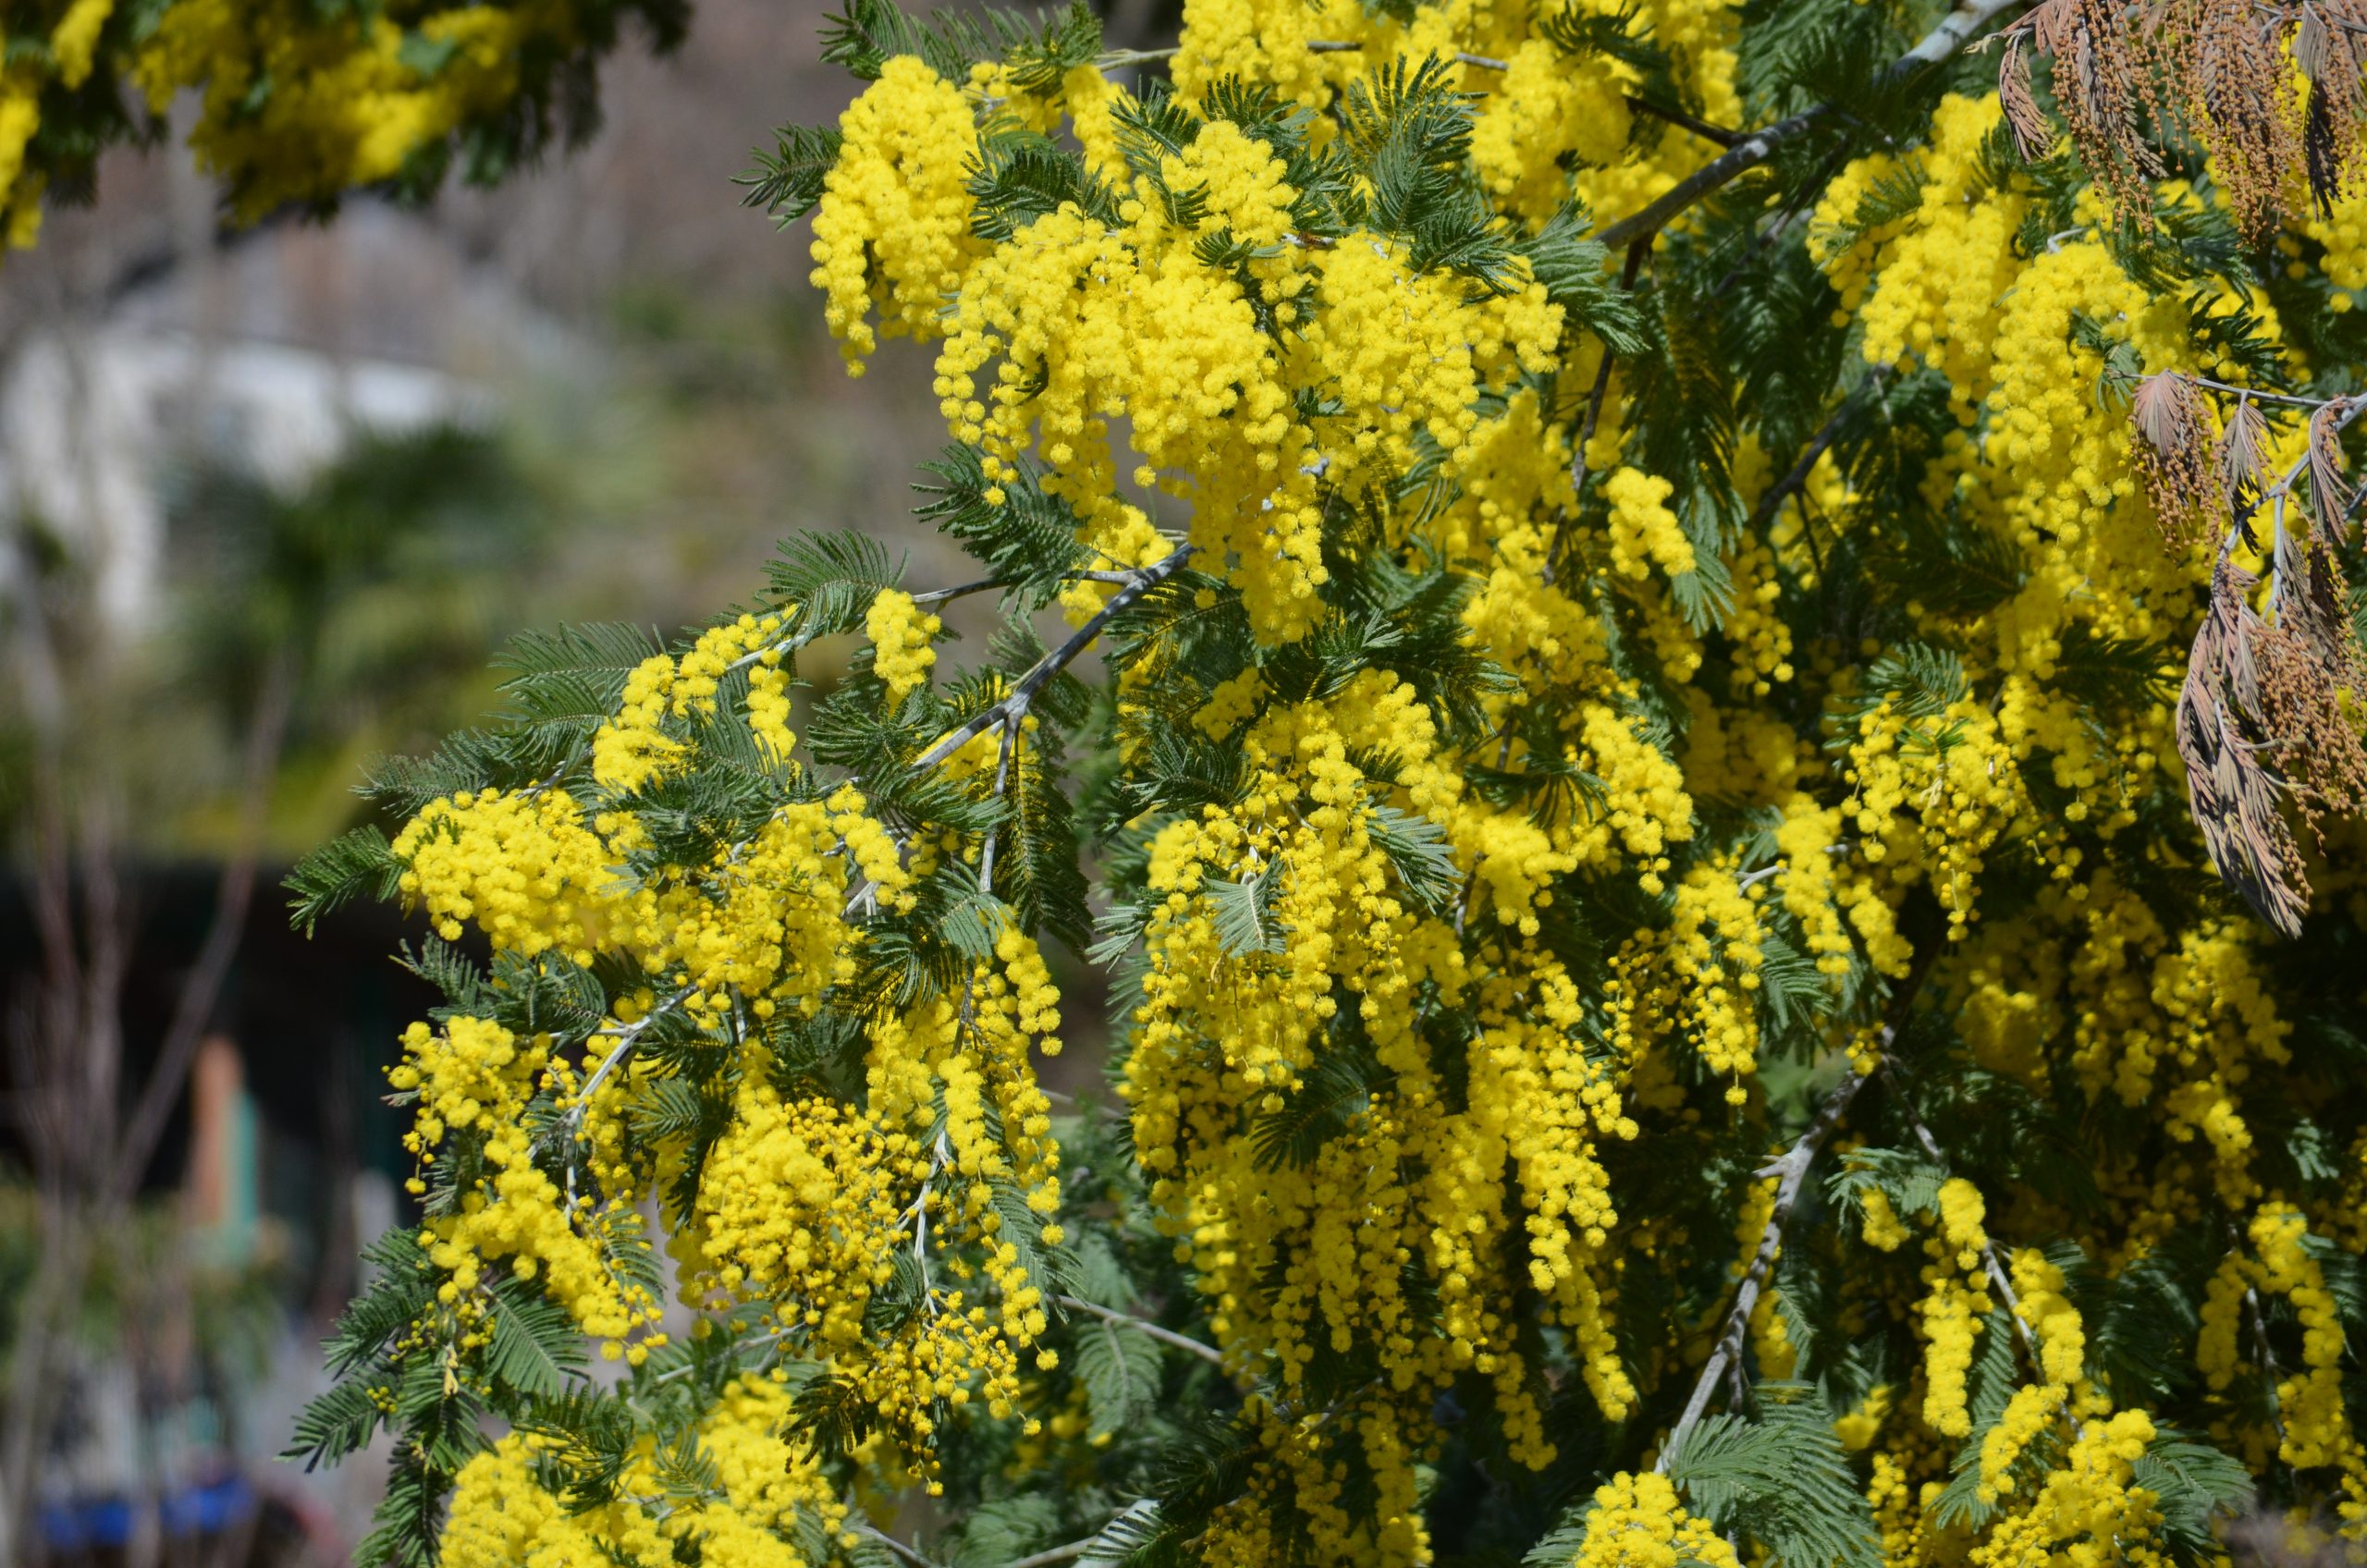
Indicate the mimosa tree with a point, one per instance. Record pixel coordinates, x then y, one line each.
1717 786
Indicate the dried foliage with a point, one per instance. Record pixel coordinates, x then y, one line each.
2242 442
2270 710
2237 800
2175 458
2103 85
2270 89
2330 493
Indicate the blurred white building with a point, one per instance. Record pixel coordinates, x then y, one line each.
267 355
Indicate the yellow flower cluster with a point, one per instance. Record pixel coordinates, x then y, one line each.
71 54
1076 322
1295 1256
1636 1522
1954 1311
2087 1512
474 1076
635 745
903 640
1644 533
798 1204
806 1206
299 107
502 1514
1544 111
2055 1327
2313 1417
522 868
892 234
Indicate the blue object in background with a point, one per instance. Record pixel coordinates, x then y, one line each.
97 1523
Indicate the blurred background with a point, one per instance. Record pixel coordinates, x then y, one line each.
269 500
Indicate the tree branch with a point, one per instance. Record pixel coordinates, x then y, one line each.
1751 151
1350 46
1596 396
1793 1168
1683 121
627 1037
2267 1360
1014 706
960 591
1002 787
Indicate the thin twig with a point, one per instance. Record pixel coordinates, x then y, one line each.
1595 398
960 591
2267 1359
2255 393
1117 59
1350 46
2353 408
1012 706
1002 785
1750 879
1208 1354
1792 1168
1808 532
626 1037
1792 1171
988 585
1773 502
892 1544
1683 121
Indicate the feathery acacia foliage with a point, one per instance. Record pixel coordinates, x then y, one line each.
1721 785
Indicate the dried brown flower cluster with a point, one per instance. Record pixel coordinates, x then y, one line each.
2104 84
2270 710
2189 492
2237 800
2313 676
2128 76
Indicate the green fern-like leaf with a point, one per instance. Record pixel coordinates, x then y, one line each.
354 865
831 579
787 181
535 1348
1783 1479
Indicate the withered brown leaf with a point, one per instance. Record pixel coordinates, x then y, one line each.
2235 800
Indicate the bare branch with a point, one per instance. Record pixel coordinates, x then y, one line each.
1720 134
1068 1553
1772 501
1596 396
234 890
